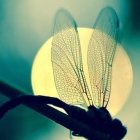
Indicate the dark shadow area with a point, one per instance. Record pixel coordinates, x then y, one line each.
97 123
134 14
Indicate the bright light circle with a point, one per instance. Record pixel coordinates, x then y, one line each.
122 75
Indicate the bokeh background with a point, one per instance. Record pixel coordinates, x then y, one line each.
24 26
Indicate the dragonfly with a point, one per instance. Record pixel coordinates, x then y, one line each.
70 79
66 56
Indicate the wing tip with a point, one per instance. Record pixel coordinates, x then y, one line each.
63 17
107 14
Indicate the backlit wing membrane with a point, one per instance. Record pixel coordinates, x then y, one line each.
101 52
67 61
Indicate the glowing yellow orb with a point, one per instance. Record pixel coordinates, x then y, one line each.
122 75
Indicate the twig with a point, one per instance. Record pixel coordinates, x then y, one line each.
55 115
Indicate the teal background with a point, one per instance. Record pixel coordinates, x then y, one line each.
25 25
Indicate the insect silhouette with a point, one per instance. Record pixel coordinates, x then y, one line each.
69 77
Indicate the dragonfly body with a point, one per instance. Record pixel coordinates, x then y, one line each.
98 120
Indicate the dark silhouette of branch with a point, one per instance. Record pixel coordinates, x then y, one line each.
55 115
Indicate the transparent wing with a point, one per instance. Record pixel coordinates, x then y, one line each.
101 52
67 61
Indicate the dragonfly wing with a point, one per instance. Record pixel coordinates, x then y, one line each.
67 61
101 52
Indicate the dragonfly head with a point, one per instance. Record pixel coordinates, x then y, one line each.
117 131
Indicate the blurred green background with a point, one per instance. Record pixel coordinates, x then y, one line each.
24 26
